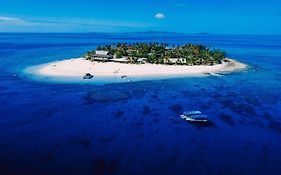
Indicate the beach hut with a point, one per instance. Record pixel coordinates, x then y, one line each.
101 55
101 52
141 60
177 60
121 60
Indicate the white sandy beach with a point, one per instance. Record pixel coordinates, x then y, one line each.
80 66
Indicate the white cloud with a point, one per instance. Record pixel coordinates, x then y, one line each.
5 19
160 16
9 23
68 22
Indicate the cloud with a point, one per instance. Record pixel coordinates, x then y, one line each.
5 19
68 22
8 24
159 16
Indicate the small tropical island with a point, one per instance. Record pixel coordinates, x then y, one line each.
157 53
128 61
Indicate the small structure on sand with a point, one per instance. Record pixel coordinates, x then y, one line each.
101 55
141 60
123 59
88 76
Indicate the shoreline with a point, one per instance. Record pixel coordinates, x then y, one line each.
77 67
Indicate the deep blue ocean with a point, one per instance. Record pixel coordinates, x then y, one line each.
135 128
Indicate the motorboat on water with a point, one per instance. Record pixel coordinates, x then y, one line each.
194 116
189 113
197 118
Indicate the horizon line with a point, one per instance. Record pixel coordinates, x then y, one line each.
142 32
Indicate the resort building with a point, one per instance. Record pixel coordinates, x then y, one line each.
121 60
141 60
101 55
101 52
177 60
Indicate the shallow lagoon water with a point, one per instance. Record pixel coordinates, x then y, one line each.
135 128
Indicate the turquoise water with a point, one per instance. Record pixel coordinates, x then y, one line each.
134 128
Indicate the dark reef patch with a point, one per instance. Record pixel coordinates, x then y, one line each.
265 152
176 121
156 120
85 142
269 98
186 93
227 119
106 97
247 109
203 89
159 148
275 126
228 104
173 158
252 101
49 113
100 167
259 124
154 96
216 96
141 135
137 124
109 94
113 166
107 139
241 108
118 113
50 157
146 110
88 100
206 106
176 108
233 94
267 116
247 146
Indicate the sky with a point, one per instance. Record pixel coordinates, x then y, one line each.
184 16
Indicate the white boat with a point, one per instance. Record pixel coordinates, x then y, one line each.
197 118
188 113
194 116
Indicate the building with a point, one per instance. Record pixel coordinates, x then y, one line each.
121 60
141 60
101 55
101 52
177 60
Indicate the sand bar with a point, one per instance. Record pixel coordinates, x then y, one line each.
79 66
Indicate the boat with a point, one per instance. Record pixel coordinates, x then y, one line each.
88 76
197 118
189 113
194 116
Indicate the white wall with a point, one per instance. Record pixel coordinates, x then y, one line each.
101 52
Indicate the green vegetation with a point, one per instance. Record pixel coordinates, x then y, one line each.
160 53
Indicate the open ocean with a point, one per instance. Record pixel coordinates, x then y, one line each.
134 128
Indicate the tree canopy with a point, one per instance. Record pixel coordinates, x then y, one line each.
161 53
